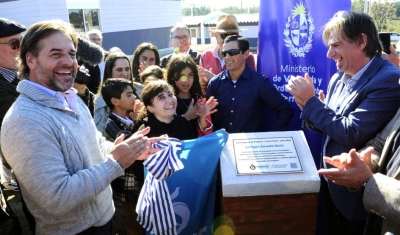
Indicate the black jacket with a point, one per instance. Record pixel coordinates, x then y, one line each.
194 54
8 94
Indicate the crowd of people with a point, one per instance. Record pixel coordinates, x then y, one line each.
78 121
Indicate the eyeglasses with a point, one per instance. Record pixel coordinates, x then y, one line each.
183 38
224 35
230 52
13 43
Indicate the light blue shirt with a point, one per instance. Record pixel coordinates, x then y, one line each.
349 81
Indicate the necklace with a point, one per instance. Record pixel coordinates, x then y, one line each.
184 102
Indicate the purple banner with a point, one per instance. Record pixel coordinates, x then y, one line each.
290 43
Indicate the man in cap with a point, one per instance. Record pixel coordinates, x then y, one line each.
10 37
181 41
212 59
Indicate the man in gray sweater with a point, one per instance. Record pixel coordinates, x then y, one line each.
63 164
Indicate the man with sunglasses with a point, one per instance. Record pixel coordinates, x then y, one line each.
10 37
212 60
243 94
181 41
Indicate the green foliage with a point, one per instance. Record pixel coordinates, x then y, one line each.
397 4
357 6
197 11
381 12
393 26
204 10
237 10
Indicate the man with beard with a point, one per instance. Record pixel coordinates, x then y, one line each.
63 164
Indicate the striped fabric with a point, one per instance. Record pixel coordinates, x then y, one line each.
154 207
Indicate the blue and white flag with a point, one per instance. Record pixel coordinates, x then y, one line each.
192 188
154 207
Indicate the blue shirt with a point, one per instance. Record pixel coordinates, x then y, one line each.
241 105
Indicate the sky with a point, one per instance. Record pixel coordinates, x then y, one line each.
216 4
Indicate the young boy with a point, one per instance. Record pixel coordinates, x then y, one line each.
119 97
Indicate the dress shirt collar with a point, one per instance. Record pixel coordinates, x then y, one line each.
68 99
245 74
216 55
124 119
8 74
349 81
185 52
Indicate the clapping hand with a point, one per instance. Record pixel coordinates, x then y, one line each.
191 112
206 107
352 169
142 67
205 75
135 110
136 147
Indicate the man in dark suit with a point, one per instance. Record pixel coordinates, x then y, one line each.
181 41
361 98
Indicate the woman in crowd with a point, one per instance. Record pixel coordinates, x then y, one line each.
183 76
146 54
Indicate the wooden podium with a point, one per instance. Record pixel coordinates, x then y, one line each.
281 201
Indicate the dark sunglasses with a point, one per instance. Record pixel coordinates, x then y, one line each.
224 35
231 52
13 43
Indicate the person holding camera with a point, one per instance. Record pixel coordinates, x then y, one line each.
88 54
80 84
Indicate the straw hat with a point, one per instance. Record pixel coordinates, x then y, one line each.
226 24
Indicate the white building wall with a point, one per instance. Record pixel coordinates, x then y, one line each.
250 32
124 15
32 11
83 4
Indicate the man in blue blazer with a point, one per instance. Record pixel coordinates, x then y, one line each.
362 97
